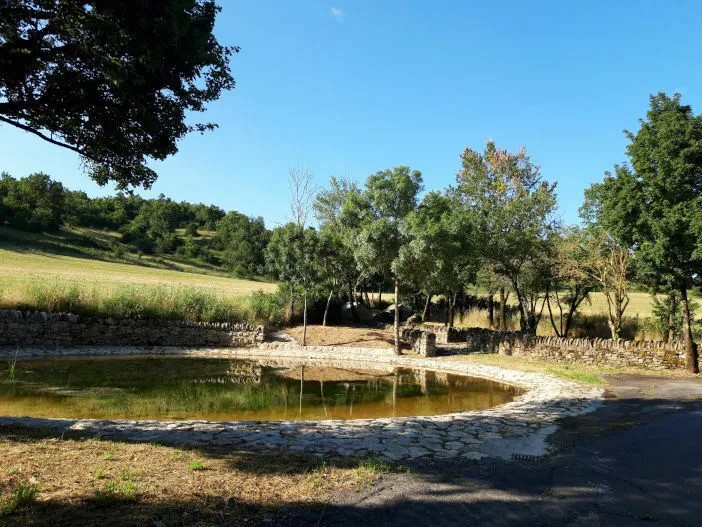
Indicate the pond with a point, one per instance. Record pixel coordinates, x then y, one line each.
215 389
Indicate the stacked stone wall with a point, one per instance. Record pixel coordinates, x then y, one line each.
422 342
18 328
443 334
649 354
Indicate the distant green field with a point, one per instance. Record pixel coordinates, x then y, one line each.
94 267
16 267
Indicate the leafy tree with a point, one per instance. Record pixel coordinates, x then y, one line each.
34 203
388 198
154 226
513 208
191 230
243 240
291 256
668 314
439 254
570 281
335 216
334 261
112 81
655 203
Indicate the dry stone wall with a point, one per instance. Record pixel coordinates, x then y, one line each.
422 342
622 353
444 334
18 328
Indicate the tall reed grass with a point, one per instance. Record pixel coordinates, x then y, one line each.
132 301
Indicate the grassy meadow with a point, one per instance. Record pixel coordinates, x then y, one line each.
67 272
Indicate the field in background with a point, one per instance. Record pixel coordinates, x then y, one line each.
91 273
16 267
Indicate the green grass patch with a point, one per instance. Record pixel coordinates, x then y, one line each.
567 373
23 495
113 492
197 465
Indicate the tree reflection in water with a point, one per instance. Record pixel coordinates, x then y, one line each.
169 388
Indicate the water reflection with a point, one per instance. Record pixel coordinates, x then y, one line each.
221 389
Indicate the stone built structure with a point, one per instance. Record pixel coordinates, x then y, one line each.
649 354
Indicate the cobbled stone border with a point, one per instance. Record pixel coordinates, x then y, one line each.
518 427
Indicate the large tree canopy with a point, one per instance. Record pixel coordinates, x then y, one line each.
111 80
655 203
513 209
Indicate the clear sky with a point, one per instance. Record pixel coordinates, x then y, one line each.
349 88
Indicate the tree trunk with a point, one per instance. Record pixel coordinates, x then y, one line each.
503 309
365 292
427 307
292 304
671 320
304 322
380 296
397 318
527 318
452 307
691 359
354 313
491 311
326 309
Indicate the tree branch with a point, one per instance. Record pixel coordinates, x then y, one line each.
47 138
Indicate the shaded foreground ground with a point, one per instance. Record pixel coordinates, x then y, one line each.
92 482
634 461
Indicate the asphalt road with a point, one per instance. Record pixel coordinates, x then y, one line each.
636 461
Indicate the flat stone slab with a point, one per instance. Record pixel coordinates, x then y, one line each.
518 427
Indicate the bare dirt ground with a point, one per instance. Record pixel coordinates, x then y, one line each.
346 336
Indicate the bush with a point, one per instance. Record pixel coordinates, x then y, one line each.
191 230
267 307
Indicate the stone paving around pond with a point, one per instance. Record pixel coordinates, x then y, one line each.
518 427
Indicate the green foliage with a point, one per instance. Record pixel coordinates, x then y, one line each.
243 240
23 495
268 307
439 255
291 255
191 230
513 210
34 203
197 465
388 198
655 203
111 81
113 492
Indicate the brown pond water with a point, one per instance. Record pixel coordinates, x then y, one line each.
215 389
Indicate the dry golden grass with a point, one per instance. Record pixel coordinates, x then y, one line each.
16 267
152 482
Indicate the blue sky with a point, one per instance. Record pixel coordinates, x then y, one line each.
349 88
